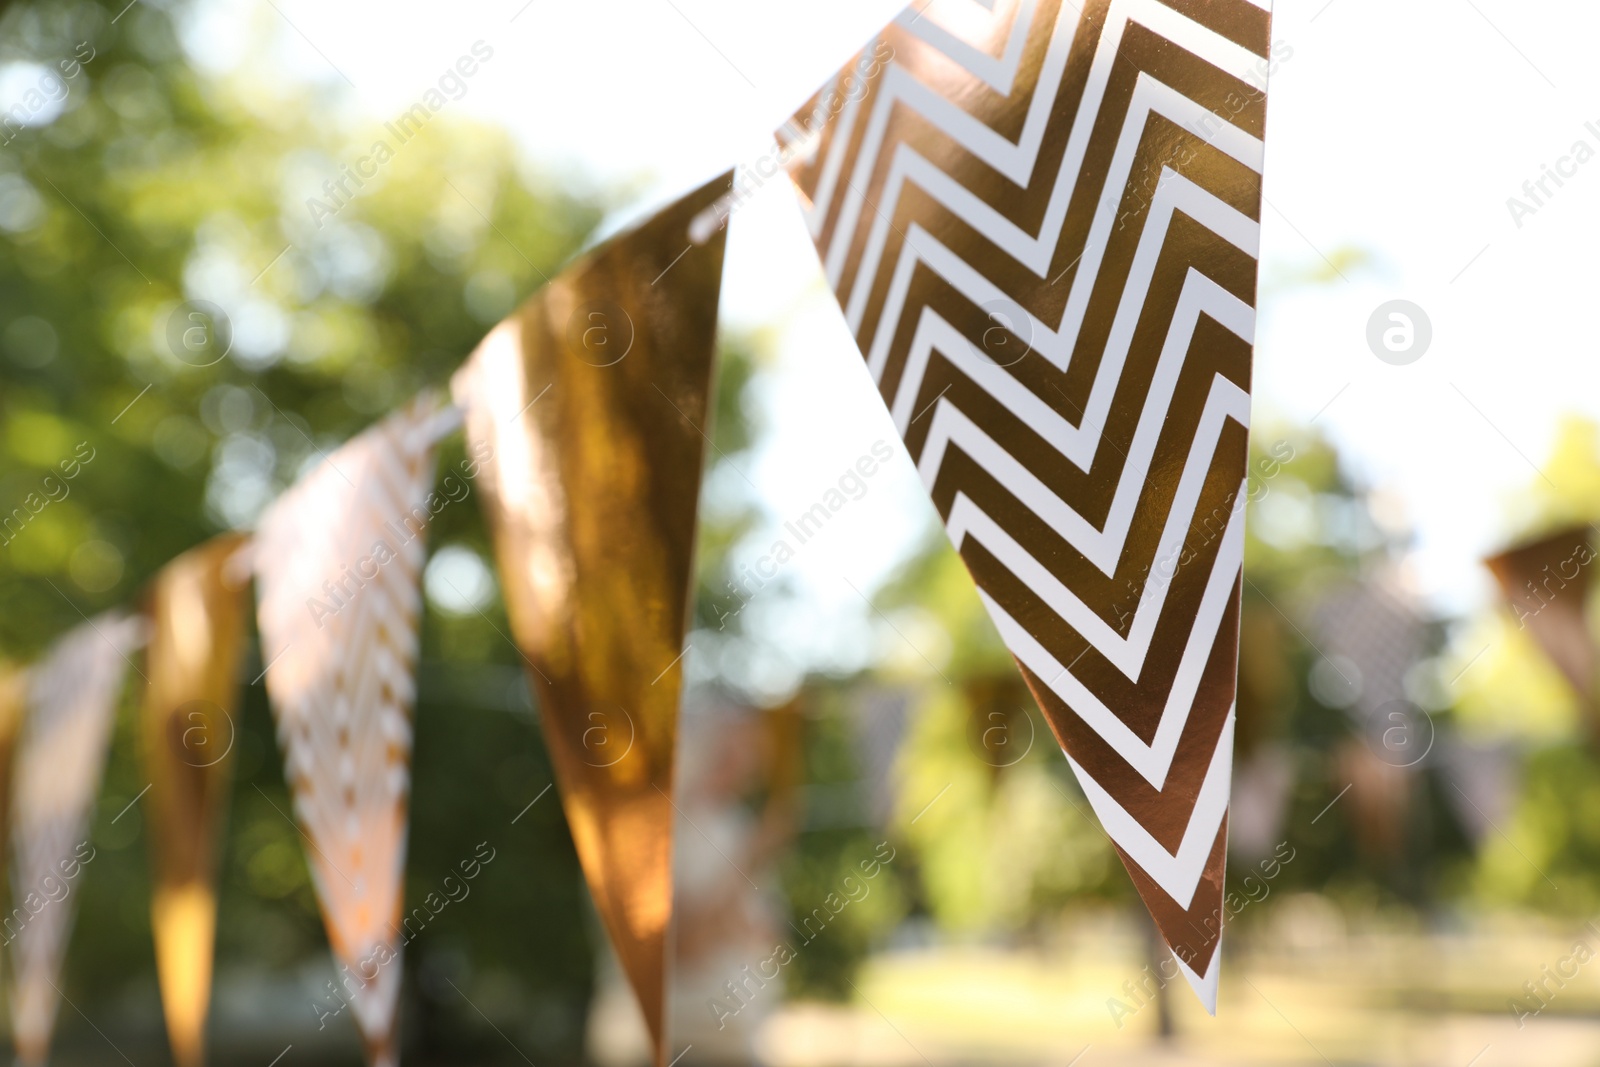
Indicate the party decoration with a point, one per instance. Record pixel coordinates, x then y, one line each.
197 609
1042 221
339 563
1485 777
1546 584
1370 638
588 409
61 755
1372 627
878 716
1264 766
13 709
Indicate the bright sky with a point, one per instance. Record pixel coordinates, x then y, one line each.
1396 129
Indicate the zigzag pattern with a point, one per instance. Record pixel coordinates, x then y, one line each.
1042 225
339 561
60 760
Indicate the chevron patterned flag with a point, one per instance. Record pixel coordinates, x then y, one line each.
1042 223
61 756
339 567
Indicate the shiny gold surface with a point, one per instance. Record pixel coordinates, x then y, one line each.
197 619
1546 585
13 705
588 409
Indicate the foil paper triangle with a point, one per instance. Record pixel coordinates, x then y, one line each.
197 608
13 710
588 409
1546 585
339 562
61 756
1041 220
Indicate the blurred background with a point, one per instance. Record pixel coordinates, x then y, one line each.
872 805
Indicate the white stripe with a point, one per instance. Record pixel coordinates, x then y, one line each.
1102 548
1017 161
1080 444
899 85
833 165
1152 761
999 73
1206 988
1149 97
1178 874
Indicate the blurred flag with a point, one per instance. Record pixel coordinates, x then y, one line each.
1265 768
1372 637
1042 223
13 709
1372 627
877 716
1483 779
1263 784
1380 799
197 609
589 411
1546 585
339 565
61 755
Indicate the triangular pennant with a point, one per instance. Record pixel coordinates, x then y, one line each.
13 710
1041 220
588 411
1546 584
197 609
61 755
339 566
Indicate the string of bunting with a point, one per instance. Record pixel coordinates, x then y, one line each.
1041 222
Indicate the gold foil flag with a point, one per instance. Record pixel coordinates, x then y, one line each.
197 609
1546 584
592 401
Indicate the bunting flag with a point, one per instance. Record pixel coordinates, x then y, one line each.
339 564
197 609
1042 223
1372 626
61 756
13 710
588 411
1546 584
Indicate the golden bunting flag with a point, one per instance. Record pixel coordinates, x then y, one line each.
61 756
339 565
1042 222
1546 584
197 609
588 408
13 709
